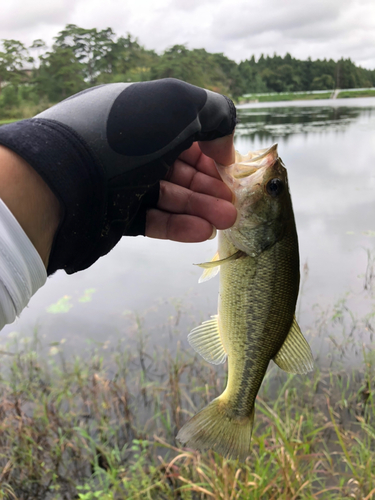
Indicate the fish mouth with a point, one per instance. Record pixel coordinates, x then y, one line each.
247 165
257 156
245 173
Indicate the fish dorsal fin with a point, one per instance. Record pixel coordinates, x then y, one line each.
212 268
205 340
295 355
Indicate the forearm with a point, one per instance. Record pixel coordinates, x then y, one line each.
30 200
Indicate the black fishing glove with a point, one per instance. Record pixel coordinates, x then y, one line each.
103 151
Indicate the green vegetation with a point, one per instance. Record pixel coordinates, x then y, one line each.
32 78
3 122
103 425
357 93
301 96
292 96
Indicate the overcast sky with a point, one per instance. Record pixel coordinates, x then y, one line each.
238 28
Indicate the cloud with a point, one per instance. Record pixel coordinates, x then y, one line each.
190 5
238 28
117 15
19 15
251 18
320 29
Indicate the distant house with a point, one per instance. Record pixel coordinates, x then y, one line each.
26 71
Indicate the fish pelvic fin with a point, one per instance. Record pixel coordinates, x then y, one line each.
205 340
295 355
214 428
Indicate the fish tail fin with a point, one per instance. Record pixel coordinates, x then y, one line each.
217 429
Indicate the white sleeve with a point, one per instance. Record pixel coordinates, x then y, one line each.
22 271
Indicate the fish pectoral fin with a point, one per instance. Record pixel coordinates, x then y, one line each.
295 355
209 272
205 340
212 268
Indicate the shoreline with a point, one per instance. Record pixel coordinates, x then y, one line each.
274 99
306 96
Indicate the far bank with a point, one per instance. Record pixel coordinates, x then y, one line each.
306 96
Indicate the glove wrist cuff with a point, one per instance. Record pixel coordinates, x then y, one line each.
70 169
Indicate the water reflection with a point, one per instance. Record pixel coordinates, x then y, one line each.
329 151
270 122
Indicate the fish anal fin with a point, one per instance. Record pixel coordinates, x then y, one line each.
205 340
295 355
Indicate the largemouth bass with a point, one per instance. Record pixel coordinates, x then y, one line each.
259 280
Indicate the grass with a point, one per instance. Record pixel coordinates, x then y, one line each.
299 96
24 110
103 425
357 93
286 97
3 122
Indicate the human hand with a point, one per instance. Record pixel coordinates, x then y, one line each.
193 200
122 160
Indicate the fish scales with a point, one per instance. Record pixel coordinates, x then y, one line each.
251 291
259 280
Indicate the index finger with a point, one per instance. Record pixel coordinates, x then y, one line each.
201 155
199 161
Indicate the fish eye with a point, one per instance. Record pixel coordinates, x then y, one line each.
275 187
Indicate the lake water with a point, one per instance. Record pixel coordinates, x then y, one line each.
328 148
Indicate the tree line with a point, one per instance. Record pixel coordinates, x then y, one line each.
80 58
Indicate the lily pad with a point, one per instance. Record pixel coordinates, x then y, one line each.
63 305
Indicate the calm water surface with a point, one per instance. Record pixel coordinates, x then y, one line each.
328 148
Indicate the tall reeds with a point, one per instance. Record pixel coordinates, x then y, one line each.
103 425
